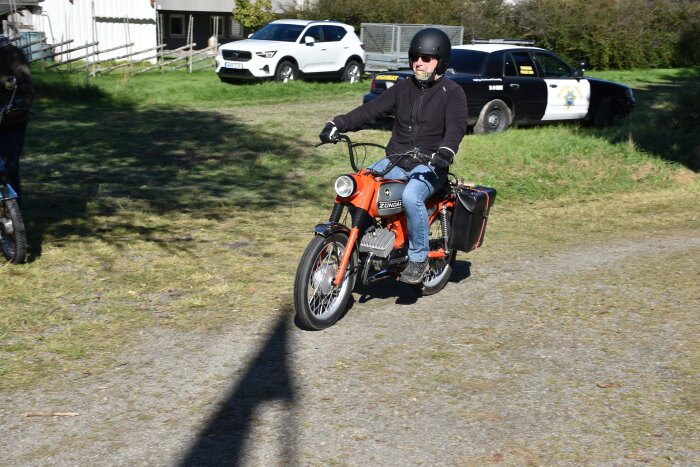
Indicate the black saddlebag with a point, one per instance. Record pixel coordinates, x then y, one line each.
469 220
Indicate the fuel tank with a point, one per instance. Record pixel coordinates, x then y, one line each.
389 198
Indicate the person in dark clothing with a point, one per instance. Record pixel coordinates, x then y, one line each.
430 115
15 80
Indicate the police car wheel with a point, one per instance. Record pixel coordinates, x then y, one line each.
494 117
603 114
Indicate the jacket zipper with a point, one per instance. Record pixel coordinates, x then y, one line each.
414 116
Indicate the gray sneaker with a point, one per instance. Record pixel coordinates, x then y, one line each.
413 274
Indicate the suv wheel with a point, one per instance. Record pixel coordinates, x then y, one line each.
352 73
286 71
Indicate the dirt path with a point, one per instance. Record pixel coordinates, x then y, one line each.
588 356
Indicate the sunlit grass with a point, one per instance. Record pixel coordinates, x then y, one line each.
183 89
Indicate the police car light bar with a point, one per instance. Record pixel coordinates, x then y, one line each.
503 41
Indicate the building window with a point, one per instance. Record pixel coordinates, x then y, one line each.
216 26
177 25
236 28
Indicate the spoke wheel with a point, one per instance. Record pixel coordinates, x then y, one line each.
13 239
318 302
439 270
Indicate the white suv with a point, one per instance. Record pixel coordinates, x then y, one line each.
288 49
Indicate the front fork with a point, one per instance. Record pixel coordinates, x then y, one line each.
358 219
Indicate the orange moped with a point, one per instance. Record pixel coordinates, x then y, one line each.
375 245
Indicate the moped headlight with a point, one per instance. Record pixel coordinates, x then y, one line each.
345 186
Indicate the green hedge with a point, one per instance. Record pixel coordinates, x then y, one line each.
610 34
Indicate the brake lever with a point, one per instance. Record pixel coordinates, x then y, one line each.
330 142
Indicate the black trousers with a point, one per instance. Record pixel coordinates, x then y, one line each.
11 143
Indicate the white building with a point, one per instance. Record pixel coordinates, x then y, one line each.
110 23
115 23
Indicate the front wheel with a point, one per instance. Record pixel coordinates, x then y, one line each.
318 302
13 238
286 72
602 117
439 270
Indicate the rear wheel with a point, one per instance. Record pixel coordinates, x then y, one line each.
286 71
494 117
352 73
13 239
318 302
439 270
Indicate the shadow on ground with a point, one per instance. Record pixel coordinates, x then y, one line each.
268 378
84 163
403 293
666 119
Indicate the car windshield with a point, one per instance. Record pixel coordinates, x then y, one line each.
279 32
467 61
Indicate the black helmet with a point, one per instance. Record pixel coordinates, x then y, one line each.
431 41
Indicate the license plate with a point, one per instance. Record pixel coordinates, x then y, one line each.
237 66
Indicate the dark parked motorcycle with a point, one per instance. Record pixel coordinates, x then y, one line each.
13 239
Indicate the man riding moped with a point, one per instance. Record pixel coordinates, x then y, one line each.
430 118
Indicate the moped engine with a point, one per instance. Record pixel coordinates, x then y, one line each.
377 241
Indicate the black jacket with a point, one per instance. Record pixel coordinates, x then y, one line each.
13 63
429 118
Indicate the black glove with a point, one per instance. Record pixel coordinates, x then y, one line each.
442 158
329 134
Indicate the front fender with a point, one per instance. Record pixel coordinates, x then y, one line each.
329 228
6 192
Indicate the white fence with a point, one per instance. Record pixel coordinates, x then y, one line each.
95 60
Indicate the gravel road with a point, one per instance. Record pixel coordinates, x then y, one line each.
585 356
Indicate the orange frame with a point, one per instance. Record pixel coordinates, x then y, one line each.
365 197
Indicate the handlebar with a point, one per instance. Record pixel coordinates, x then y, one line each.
351 150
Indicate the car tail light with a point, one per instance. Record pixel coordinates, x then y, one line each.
373 86
364 47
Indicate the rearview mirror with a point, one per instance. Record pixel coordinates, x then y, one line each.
583 65
308 40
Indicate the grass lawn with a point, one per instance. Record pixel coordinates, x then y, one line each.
177 200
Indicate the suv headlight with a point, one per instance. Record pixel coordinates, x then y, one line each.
345 186
268 54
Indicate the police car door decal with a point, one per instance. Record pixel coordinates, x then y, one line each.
567 97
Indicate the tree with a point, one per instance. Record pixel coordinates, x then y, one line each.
252 14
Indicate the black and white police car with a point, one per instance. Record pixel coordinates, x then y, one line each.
509 84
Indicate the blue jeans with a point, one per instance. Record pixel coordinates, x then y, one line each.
422 182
